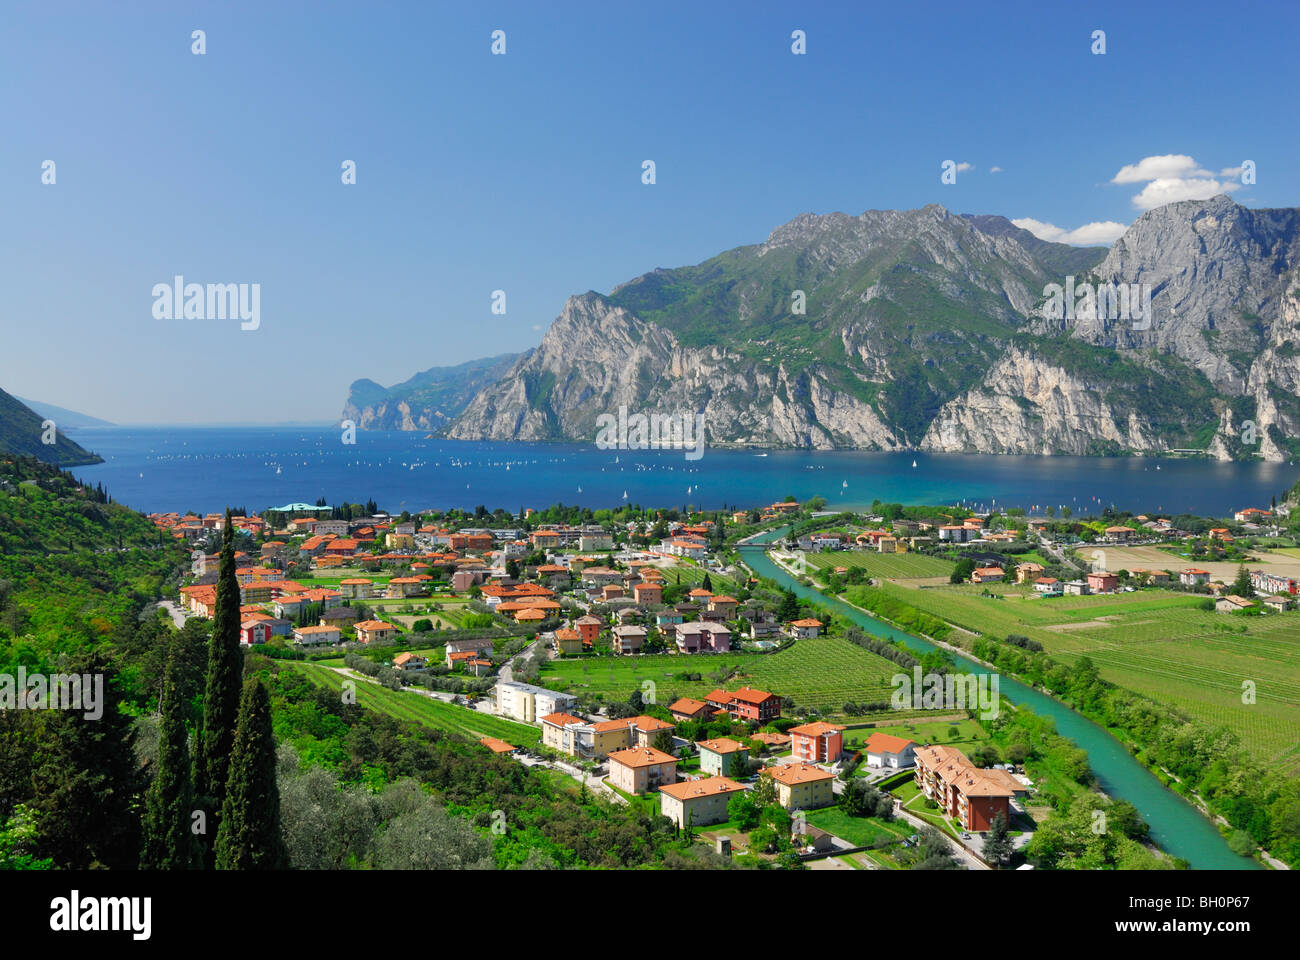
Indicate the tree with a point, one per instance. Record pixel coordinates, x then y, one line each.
663 741
708 583
169 842
998 846
743 811
789 609
1242 586
764 791
961 573
221 696
249 835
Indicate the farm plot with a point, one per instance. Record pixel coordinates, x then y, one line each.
436 714
824 673
901 566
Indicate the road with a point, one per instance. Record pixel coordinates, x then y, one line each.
173 611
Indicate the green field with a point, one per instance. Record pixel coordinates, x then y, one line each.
424 710
901 566
969 735
822 673
1156 643
693 575
859 831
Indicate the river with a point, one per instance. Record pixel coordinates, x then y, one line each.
1176 826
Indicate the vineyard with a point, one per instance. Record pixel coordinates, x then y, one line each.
900 566
824 673
406 705
1159 644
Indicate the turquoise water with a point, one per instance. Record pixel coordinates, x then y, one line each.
1175 824
208 468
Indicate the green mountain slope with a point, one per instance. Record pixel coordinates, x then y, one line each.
21 432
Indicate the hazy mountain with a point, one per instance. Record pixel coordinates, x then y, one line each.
428 401
69 419
925 329
21 432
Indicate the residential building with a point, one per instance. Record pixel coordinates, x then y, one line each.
628 639
884 750
698 803
647 594
356 588
641 769
410 662
687 709
987 574
1193 576
817 742
315 636
588 628
568 642
699 636
1099 581
1028 572
1075 588
375 631
962 790
806 629
1232 604
526 702
746 704
723 757
555 727
802 786
1049 586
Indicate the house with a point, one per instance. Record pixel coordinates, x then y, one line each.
497 746
688 709
1049 586
723 757
1232 604
588 628
595 541
813 839
698 803
648 593
526 702
568 642
1252 515
1273 583
1279 603
375 631
963 791
668 618
699 636
802 786
1099 581
253 632
1119 534
314 636
885 750
1075 588
554 727
724 605
1193 576
339 617
806 629
410 662
641 769
773 741
1028 572
956 533
818 742
986 574
746 704
628 639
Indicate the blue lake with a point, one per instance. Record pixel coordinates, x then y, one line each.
207 468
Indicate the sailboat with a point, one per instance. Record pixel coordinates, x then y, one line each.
913 464
580 488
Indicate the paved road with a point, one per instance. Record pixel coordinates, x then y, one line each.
173 611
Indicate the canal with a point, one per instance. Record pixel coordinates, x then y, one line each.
1176 826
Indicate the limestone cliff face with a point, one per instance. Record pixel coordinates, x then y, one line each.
924 329
597 357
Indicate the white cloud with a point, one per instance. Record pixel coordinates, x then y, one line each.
995 169
1174 177
963 167
1090 234
1172 189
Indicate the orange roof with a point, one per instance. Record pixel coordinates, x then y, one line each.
562 719
744 694
708 786
806 622
794 773
564 634
374 625
820 728
641 757
721 745
651 724
887 743
497 746
687 705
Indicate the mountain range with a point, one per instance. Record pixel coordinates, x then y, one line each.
22 430
917 329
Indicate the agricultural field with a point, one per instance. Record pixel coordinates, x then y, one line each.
436 714
1159 644
692 574
823 673
1282 561
969 735
895 566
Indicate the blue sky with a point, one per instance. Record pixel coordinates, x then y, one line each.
522 172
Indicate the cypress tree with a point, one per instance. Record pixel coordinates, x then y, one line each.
169 844
249 836
225 673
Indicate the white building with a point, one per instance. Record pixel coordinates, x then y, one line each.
523 701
